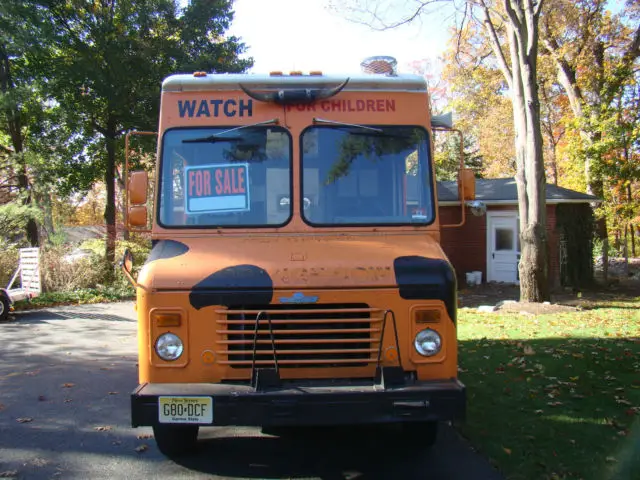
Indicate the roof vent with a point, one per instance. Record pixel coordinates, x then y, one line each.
380 65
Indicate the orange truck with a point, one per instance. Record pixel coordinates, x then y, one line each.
296 276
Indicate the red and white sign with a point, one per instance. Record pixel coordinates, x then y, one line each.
217 188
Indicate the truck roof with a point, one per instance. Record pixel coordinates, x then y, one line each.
357 82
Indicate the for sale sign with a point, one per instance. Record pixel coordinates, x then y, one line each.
217 188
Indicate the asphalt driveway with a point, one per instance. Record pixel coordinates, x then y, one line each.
65 378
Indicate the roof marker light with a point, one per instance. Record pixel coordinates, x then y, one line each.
199 74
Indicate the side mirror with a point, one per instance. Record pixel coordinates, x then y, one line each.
137 216
127 260
137 187
137 192
477 208
126 264
466 185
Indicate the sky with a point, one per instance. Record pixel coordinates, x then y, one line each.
304 35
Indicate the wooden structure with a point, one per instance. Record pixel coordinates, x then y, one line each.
30 284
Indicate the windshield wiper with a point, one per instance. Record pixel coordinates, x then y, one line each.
217 137
351 125
367 131
212 139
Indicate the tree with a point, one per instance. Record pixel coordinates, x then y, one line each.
594 54
109 61
15 94
512 29
478 95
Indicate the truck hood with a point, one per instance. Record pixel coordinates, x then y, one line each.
259 265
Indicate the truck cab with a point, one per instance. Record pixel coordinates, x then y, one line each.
296 276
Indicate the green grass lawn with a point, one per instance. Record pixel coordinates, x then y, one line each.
554 396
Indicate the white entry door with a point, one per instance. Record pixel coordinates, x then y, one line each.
503 247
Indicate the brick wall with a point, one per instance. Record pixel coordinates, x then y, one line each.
466 246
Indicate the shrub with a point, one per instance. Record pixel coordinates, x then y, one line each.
8 263
139 247
61 274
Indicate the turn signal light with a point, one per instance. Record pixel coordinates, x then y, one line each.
427 316
168 319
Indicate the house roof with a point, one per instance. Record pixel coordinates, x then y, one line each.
504 191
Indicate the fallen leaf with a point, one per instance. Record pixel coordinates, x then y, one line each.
114 393
610 459
144 435
528 350
41 398
24 419
68 385
116 442
9 474
68 400
142 448
507 450
2 407
102 428
622 401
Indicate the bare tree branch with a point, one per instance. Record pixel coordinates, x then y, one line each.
497 48
538 8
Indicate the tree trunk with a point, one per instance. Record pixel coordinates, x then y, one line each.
625 250
47 228
630 202
530 176
123 207
521 77
109 178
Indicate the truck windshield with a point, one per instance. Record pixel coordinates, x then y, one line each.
210 178
361 176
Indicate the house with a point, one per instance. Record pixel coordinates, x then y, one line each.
490 243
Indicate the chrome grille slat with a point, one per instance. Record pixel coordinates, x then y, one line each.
322 335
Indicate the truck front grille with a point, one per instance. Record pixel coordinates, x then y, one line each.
326 335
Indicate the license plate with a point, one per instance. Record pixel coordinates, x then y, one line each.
185 409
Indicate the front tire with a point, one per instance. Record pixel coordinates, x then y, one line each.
420 434
173 440
4 307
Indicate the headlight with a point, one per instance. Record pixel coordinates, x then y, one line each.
427 342
169 346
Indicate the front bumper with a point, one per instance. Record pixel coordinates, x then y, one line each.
292 405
